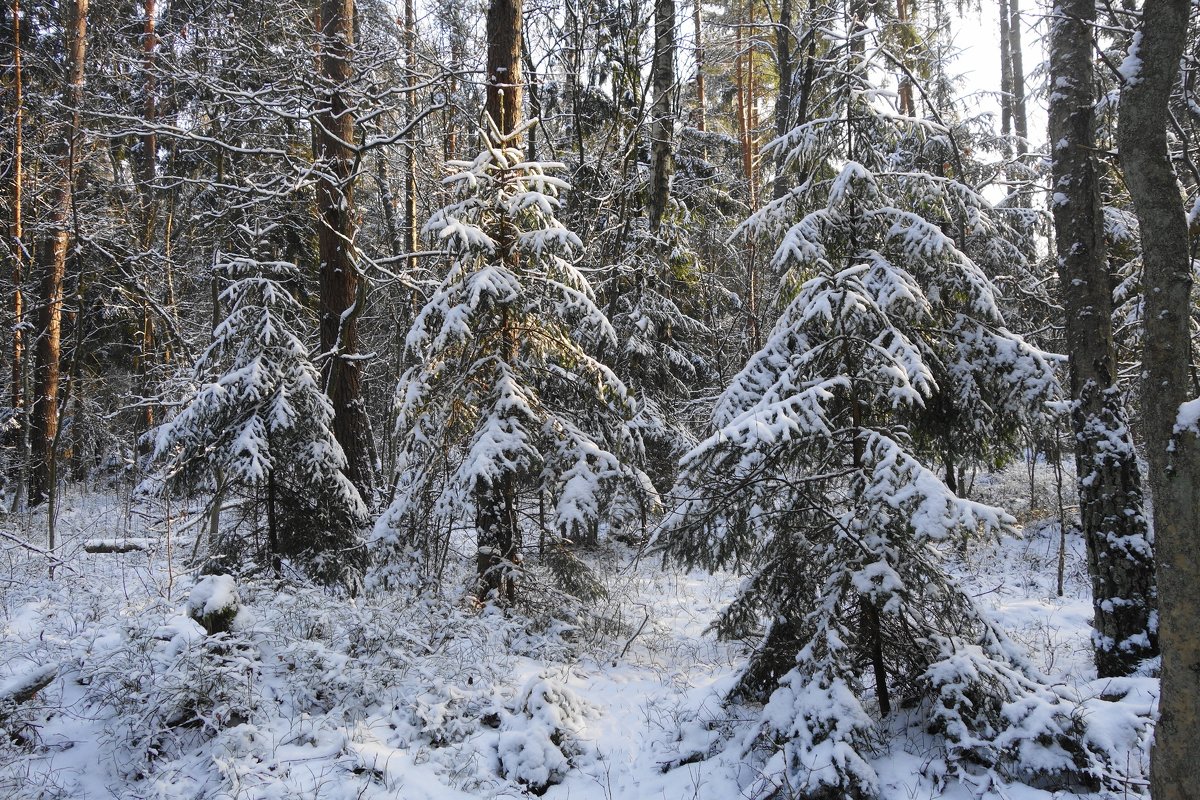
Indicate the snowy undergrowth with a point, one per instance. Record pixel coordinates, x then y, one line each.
407 695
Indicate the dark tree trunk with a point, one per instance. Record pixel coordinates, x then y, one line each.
907 105
410 154
662 113
1174 456
1120 560
52 263
1006 98
498 535
333 134
498 541
1017 76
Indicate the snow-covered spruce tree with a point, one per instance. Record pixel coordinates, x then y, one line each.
812 482
652 294
257 419
506 420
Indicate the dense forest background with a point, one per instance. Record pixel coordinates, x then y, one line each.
458 302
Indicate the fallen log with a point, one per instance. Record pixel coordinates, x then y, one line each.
118 545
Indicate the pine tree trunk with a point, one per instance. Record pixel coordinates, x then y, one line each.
1174 457
146 172
662 114
744 92
333 134
497 544
52 264
504 64
698 39
783 103
148 146
1120 560
17 241
495 501
410 153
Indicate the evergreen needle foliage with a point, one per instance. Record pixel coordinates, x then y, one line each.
528 429
257 418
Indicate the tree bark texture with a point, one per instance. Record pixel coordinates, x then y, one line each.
16 227
340 289
783 104
1120 560
1017 76
1173 456
498 541
52 260
497 528
410 152
698 43
662 112
1005 75
148 146
504 64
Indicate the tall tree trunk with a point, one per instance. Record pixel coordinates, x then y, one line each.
907 106
744 93
698 39
52 262
1173 453
535 100
662 113
16 236
410 153
340 283
498 536
147 171
504 64
1120 560
1006 99
148 146
783 103
1017 77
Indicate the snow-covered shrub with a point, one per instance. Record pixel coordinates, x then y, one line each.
168 687
506 412
540 734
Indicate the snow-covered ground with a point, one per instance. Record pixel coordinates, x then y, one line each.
415 695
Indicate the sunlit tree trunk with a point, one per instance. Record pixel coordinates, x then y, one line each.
504 64
698 40
52 261
17 248
784 102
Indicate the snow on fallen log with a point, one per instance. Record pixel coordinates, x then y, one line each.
22 687
118 545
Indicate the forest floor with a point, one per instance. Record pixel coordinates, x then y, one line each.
412 694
